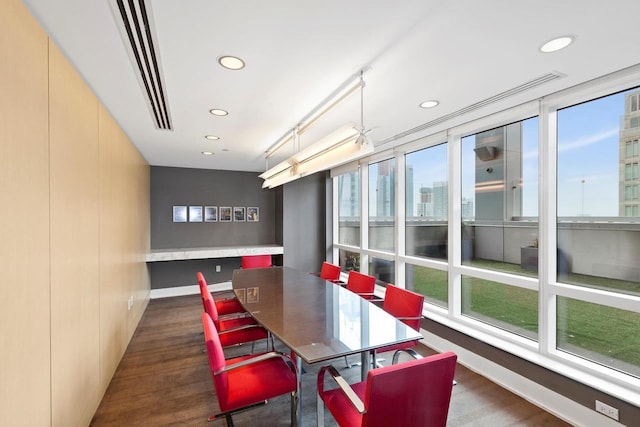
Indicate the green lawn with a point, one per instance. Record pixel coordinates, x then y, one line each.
603 334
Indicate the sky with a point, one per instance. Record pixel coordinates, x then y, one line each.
588 137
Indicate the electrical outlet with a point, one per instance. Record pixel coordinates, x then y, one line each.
609 411
218 269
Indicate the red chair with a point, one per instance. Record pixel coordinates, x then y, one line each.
330 272
412 394
234 329
363 285
256 261
406 306
226 302
244 382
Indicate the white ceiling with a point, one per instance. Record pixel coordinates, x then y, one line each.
297 52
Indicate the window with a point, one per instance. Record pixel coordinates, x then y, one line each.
593 252
631 192
429 282
631 149
507 307
383 270
426 197
605 335
382 205
349 209
499 198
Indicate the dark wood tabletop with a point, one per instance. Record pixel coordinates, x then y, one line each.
318 320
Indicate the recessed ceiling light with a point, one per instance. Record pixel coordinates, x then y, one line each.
429 104
556 44
207 153
212 137
231 62
225 149
218 112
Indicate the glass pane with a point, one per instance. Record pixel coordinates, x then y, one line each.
382 205
598 228
349 260
427 202
349 209
383 270
500 198
507 307
599 333
429 282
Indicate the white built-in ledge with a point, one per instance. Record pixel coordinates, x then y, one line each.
212 252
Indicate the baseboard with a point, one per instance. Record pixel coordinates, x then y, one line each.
179 291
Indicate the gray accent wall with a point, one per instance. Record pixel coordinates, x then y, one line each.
203 187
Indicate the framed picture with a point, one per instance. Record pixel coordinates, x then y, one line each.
179 214
195 213
225 214
253 214
239 214
210 213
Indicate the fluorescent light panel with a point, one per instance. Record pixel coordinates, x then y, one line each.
335 149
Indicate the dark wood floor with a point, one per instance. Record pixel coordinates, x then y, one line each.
163 380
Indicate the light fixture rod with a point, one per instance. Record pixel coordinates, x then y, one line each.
336 97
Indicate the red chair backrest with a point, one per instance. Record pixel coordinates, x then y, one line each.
202 283
411 394
403 303
360 283
214 348
256 261
329 271
210 307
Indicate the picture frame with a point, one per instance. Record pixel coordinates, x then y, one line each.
210 214
253 214
195 213
225 214
179 214
239 214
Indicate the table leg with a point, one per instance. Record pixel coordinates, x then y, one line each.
365 360
298 360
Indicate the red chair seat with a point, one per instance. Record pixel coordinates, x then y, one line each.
242 389
240 330
228 306
245 381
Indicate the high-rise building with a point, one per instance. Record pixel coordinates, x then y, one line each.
409 191
628 201
440 199
425 205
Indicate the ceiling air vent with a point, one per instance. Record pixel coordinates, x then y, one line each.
138 35
496 98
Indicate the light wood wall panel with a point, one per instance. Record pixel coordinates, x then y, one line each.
113 238
24 220
74 231
75 216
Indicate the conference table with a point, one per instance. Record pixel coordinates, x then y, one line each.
316 319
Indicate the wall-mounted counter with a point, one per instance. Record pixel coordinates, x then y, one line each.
212 252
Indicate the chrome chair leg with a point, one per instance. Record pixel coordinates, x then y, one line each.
319 411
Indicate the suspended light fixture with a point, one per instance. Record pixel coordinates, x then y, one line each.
347 143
